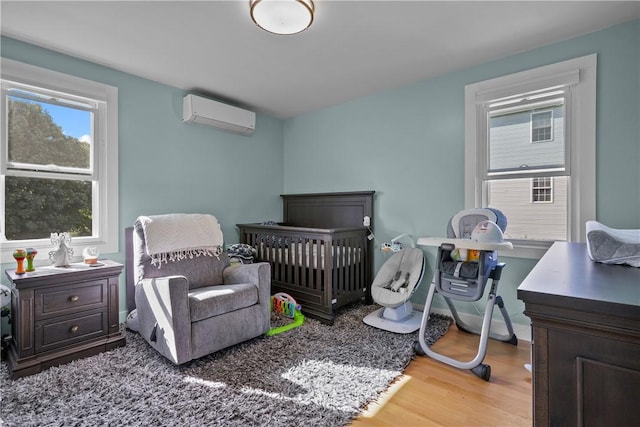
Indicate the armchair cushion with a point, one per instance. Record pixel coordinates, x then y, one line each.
214 300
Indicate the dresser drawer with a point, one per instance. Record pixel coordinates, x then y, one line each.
68 299
66 330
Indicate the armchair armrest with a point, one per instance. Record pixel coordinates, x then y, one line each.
163 311
258 274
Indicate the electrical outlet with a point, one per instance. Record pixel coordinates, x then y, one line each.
366 221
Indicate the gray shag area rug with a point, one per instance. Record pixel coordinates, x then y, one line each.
314 375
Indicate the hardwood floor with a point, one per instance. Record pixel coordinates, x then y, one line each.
431 393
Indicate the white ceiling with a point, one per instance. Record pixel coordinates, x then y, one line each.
353 48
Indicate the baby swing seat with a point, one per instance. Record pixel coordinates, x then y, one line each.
466 260
392 287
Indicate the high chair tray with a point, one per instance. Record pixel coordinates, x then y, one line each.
464 244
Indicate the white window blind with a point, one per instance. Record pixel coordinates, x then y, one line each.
506 145
49 163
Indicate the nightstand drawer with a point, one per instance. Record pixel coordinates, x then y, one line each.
69 299
59 332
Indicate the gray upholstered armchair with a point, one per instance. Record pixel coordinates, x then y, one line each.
195 305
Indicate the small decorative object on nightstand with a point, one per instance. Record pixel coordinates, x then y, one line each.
62 314
31 254
62 256
90 255
19 255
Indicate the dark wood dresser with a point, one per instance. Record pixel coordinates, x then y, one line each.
62 314
586 339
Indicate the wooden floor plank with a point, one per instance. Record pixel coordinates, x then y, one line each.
431 393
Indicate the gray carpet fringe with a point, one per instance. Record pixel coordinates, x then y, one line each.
315 375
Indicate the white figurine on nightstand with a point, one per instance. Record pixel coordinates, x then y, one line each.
62 256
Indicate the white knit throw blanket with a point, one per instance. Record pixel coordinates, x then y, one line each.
175 237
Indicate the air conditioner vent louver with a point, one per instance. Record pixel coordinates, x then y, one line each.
197 109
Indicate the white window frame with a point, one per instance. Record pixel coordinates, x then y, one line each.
580 141
539 187
533 113
105 200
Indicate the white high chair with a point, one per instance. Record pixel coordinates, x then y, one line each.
465 280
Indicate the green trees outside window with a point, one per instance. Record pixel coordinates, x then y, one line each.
56 202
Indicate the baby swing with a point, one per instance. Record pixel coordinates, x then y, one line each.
465 262
392 287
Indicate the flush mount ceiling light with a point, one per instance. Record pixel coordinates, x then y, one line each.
282 16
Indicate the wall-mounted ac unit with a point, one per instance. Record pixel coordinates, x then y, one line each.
208 112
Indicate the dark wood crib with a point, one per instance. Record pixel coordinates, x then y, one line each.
320 254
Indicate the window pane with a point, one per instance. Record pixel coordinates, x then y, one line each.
526 220
541 195
541 126
36 207
542 190
510 136
43 133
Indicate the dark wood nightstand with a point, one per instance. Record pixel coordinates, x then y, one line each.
62 314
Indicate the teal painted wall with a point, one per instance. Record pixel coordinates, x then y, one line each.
407 144
167 166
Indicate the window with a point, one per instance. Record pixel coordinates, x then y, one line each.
542 190
530 152
58 160
541 126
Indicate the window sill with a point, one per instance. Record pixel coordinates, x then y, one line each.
44 246
530 250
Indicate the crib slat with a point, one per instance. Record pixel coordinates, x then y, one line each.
327 273
359 275
348 279
296 260
318 276
354 265
335 269
342 268
281 261
303 255
290 252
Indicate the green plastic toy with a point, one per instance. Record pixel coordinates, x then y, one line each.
284 305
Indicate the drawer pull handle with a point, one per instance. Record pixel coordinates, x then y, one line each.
74 328
74 298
